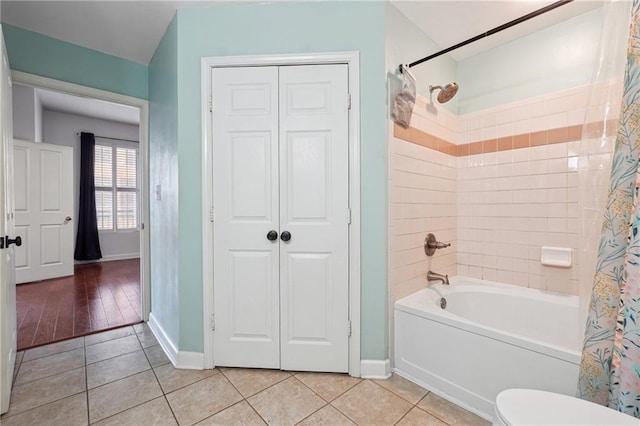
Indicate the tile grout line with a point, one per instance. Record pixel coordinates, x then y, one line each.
414 405
399 396
435 415
142 403
6 416
315 393
164 395
246 399
329 403
110 358
226 408
123 377
55 353
86 380
54 374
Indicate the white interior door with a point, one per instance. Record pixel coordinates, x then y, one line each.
280 163
43 205
314 201
8 329
245 173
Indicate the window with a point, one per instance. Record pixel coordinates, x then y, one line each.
116 182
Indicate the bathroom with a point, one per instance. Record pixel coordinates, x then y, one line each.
511 175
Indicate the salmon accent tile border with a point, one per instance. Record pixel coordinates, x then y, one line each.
524 140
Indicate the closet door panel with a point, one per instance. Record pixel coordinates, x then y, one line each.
245 198
314 210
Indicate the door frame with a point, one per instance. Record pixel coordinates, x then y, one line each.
8 304
352 60
39 82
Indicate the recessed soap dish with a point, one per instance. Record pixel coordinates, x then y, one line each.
556 256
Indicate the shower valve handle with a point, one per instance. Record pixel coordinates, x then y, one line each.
438 245
431 244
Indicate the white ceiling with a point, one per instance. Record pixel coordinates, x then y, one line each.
104 110
133 29
128 29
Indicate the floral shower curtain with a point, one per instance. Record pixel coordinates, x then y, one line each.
610 368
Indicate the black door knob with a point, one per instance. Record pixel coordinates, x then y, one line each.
285 236
17 241
272 235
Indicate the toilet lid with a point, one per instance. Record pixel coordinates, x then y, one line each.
534 407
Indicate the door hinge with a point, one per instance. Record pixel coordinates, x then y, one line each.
141 226
348 328
213 321
210 103
348 100
349 216
1 242
211 215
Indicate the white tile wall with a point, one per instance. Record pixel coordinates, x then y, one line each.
423 196
512 203
497 209
509 206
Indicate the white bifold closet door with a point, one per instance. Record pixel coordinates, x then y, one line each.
280 160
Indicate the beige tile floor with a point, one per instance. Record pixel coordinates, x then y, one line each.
122 377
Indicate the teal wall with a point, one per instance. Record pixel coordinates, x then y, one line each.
163 171
251 29
48 57
556 58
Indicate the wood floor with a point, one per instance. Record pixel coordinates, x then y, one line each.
98 297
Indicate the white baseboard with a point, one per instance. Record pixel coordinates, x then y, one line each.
165 343
190 360
180 359
123 256
375 369
109 258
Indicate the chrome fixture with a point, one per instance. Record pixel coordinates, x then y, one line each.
432 276
446 93
442 300
431 245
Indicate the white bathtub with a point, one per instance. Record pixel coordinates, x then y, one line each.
490 337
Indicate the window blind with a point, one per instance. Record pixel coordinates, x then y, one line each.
116 182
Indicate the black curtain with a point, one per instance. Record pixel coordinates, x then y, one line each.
87 241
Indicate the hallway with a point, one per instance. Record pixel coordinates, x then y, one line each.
98 297
122 377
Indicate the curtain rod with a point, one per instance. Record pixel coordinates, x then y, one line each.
490 32
113 139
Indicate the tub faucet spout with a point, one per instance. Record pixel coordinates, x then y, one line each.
432 276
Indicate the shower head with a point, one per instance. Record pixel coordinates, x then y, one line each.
446 93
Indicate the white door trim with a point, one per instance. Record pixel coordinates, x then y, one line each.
32 80
352 59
